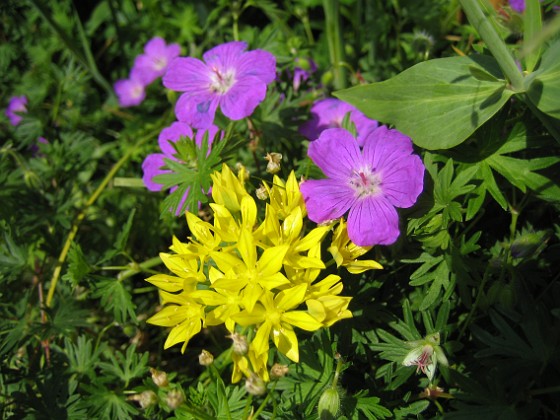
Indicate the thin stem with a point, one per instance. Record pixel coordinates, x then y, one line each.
334 39
265 401
81 216
494 42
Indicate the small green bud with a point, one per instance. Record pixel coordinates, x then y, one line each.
329 404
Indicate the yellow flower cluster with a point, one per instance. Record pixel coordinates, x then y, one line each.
258 279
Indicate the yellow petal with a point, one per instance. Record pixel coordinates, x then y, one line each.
286 341
247 249
301 319
166 282
290 298
260 342
271 260
359 266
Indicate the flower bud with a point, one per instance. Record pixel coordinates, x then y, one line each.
329 404
273 165
205 358
145 399
174 399
262 193
240 345
159 377
255 385
278 371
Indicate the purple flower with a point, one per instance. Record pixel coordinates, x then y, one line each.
370 182
230 78
517 5
131 91
16 105
154 164
302 70
329 113
155 60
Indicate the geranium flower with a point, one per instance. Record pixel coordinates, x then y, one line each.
425 355
131 91
154 164
329 113
517 5
16 106
229 78
369 183
155 60
302 70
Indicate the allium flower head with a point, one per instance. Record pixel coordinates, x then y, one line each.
368 182
330 113
16 106
229 77
155 60
131 91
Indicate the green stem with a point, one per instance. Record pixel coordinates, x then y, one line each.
81 216
265 401
334 39
494 42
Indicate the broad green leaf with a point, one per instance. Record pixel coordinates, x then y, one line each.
543 86
438 103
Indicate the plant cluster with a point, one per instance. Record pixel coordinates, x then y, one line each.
363 223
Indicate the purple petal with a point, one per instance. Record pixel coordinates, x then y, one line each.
212 131
337 153
326 199
403 182
155 46
225 55
152 166
143 70
517 5
172 134
197 111
188 75
130 92
243 97
16 105
373 221
389 153
257 63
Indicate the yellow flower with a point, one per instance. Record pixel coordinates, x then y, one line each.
182 314
346 253
285 196
227 189
272 233
276 317
247 274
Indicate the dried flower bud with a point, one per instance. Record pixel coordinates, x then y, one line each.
262 193
242 170
159 377
205 358
174 399
145 399
240 345
278 371
255 385
273 165
329 404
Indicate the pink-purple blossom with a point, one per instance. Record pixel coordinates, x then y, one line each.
154 164
330 113
230 78
16 106
155 60
131 91
517 5
302 71
368 182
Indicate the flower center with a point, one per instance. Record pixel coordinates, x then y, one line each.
137 91
365 182
221 81
159 63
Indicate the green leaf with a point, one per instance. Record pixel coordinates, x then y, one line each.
125 367
78 267
543 85
115 297
438 103
533 26
122 239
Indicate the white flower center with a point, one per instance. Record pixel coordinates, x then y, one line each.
365 182
221 80
137 91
